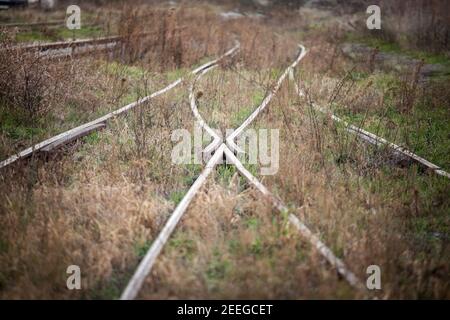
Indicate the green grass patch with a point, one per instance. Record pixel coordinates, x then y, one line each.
424 130
425 203
141 248
92 138
84 32
177 196
241 115
175 74
225 173
118 69
252 223
184 245
110 290
218 267
244 112
192 171
16 127
33 35
392 47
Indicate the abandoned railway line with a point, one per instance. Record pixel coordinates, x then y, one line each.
219 149
68 49
225 149
72 48
84 129
377 141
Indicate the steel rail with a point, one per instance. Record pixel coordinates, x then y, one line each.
301 227
145 266
374 139
230 139
217 140
52 50
29 151
64 44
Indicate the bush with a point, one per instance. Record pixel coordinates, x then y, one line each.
27 82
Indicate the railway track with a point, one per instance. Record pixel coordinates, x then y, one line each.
222 147
86 128
226 149
371 138
65 44
74 48
64 49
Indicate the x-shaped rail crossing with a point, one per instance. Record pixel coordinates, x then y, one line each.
221 148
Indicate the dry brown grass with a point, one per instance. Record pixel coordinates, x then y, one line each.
99 203
27 82
362 226
94 206
417 23
231 245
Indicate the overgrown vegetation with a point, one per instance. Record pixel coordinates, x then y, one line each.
100 202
